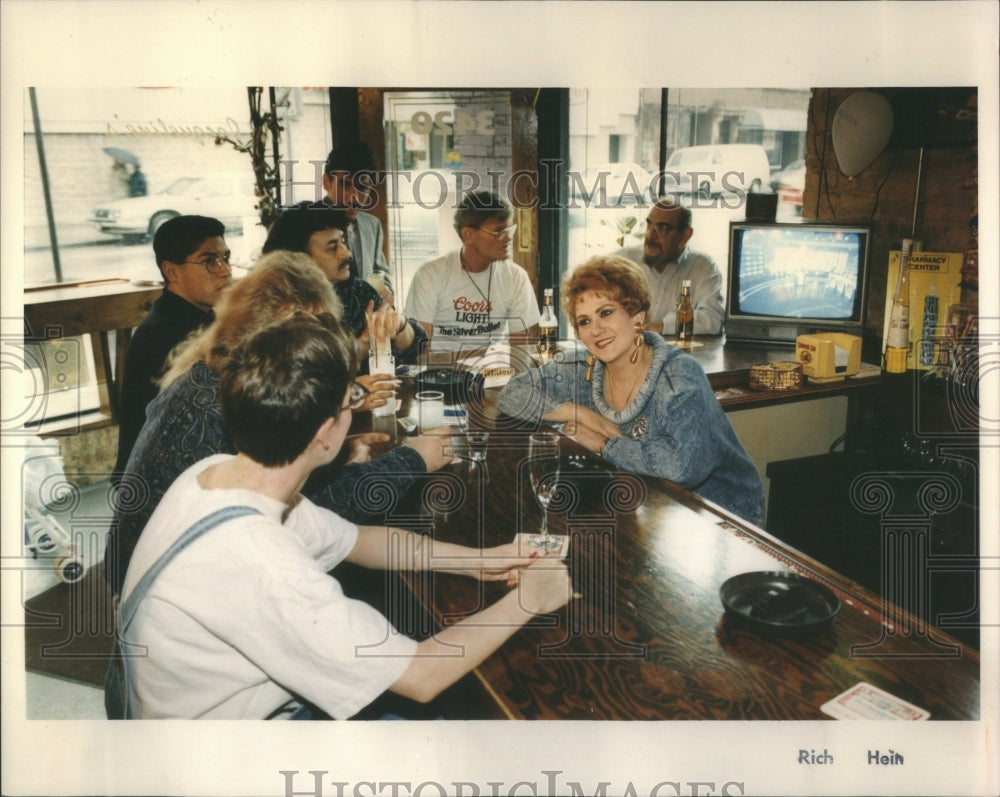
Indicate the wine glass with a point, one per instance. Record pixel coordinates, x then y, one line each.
543 470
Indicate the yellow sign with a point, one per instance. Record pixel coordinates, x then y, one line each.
934 287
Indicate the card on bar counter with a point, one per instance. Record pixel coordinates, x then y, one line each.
867 702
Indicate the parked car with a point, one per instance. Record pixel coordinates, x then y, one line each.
613 184
789 183
714 169
787 171
227 196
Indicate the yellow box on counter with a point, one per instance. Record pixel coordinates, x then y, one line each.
827 357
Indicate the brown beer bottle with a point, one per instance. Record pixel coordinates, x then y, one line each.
684 327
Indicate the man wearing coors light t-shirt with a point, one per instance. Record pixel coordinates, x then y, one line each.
465 298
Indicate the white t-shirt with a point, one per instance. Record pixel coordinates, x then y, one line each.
247 615
465 307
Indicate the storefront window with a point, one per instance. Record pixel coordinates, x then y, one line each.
711 134
104 168
439 145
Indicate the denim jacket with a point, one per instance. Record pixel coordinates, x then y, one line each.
674 428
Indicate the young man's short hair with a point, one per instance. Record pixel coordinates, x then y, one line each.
478 207
178 238
351 157
280 385
292 230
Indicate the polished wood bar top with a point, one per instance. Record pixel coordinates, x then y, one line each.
649 639
727 365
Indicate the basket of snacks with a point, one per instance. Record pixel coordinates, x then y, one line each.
776 375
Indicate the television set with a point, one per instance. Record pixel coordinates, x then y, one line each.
788 279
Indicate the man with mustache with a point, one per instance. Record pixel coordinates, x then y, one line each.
667 260
348 180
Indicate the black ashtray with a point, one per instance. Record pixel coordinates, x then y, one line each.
779 603
459 387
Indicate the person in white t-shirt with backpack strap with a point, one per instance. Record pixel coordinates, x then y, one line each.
245 622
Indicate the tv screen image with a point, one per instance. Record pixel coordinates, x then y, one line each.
790 279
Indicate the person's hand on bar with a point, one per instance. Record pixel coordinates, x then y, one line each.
359 446
588 428
501 563
544 586
380 389
435 447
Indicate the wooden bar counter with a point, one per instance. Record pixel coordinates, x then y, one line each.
649 639
727 365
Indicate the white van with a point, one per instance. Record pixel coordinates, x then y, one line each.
716 169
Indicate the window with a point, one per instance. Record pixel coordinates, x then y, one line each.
710 136
87 145
434 139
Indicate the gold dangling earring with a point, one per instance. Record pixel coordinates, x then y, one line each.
590 367
639 343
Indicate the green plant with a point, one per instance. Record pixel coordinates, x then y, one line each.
625 226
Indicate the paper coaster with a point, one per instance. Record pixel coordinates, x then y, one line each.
867 702
525 547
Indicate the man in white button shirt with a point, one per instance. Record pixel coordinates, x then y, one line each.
667 260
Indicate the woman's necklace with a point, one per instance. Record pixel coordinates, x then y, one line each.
643 369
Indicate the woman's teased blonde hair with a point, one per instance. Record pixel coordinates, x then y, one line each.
279 284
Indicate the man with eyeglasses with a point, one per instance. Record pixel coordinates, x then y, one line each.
470 295
348 180
667 260
193 259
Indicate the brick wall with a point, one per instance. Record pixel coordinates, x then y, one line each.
884 194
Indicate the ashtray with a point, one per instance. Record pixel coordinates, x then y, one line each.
779 603
457 386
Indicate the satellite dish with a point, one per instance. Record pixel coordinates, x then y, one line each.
861 129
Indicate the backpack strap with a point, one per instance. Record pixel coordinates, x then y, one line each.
207 523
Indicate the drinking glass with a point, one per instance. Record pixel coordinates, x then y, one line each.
543 470
430 409
477 445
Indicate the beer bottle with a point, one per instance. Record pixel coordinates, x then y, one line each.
548 328
897 341
684 326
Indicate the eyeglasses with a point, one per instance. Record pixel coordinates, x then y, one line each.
213 263
661 227
357 395
503 232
